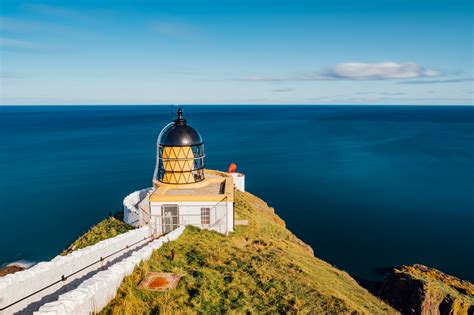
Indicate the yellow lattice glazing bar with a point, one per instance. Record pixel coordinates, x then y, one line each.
178 163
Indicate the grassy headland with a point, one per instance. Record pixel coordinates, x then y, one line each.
105 229
260 268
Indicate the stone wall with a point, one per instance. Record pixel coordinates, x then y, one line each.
50 277
95 293
131 212
239 180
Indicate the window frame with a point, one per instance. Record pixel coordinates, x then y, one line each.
205 217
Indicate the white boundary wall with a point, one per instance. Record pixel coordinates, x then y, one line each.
131 212
95 293
14 287
239 180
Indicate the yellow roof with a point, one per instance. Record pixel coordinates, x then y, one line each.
217 186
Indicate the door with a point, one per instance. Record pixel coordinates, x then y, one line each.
170 218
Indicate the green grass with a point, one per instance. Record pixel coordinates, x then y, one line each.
105 229
260 268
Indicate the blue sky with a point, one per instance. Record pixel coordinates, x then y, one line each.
236 52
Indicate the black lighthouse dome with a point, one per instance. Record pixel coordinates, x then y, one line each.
180 153
179 133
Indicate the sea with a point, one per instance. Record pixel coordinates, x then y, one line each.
369 188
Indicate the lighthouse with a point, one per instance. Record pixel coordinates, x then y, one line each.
184 192
180 153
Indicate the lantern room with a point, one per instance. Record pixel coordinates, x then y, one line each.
180 157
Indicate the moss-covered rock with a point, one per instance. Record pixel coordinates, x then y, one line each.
418 289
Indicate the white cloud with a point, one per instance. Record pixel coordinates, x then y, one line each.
456 80
21 26
10 43
174 29
13 25
55 10
13 44
393 93
7 75
358 71
378 71
283 90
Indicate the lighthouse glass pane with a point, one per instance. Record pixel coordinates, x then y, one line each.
198 175
181 164
198 163
198 150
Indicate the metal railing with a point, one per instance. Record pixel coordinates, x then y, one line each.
66 277
159 222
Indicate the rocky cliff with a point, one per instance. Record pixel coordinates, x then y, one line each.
418 289
263 267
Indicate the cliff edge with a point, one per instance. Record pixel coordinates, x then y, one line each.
260 268
419 289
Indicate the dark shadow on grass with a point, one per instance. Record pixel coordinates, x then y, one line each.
373 286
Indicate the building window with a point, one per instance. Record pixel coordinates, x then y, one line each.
205 215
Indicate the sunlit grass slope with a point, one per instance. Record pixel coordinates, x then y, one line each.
260 268
105 229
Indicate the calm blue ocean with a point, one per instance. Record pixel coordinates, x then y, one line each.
368 187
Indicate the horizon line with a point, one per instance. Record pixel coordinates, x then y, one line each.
228 104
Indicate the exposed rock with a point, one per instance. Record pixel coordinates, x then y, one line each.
418 289
10 269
